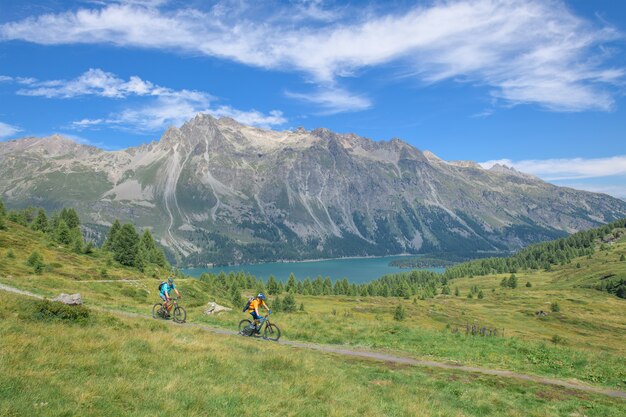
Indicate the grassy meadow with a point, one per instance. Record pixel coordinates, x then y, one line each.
112 365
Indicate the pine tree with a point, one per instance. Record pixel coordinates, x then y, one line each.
291 283
62 234
622 258
403 290
289 303
71 218
3 225
113 231
125 245
3 211
272 286
481 295
456 291
41 221
236 298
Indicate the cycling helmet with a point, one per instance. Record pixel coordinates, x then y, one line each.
261 296
170 280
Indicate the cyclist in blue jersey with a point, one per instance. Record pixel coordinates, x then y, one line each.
166 289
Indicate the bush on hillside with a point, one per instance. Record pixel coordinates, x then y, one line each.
555 307
400 313
36 261
54 310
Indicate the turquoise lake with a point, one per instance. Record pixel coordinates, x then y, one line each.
357 270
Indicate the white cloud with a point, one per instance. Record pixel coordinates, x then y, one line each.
527 51
566 169
7 130
164 107
333 100
618 191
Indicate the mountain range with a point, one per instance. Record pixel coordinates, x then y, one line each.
217 191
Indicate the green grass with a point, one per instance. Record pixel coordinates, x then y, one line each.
108 365
111 366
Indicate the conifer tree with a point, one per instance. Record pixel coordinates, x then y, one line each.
289 303
272 286
125 245
113 231
62 233
41 221
291 283
71 217
3 211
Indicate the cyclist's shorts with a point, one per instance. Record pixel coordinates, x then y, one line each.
255 315
163 297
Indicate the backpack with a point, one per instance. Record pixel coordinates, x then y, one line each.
248 304
161 285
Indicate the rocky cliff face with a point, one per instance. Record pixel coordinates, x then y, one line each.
218 191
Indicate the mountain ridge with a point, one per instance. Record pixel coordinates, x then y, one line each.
215 190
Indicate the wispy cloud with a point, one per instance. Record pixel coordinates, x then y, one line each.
164 107
333 100
566 169
527 51
7 130
618 191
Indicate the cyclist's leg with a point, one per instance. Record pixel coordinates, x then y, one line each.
255 319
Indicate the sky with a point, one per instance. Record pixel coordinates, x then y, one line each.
538 85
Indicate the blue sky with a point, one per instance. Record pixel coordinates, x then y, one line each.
536 84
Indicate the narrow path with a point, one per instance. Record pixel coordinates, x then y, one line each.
377 356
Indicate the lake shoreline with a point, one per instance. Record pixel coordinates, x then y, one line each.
355 269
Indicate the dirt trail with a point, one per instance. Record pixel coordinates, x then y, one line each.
378 356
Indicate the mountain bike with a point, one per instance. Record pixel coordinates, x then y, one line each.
179 314
270 332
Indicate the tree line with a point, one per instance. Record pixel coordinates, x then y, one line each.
123 241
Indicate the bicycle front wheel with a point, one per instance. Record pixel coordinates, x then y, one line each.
180 315
157 311
272 332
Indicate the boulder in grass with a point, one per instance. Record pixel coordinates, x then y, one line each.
69 299
214 308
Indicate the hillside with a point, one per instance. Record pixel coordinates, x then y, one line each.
221 192
583 341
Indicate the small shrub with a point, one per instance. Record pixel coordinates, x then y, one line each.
88 249
53 310
470 295
622 258
104 273
10 254
36 261
481 295
557 340
400 313
528 284
555 307
301 306
456 291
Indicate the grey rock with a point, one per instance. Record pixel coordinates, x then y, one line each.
69 299
214 308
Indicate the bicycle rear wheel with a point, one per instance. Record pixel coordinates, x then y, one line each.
157 311
272 332
180 315
244 327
